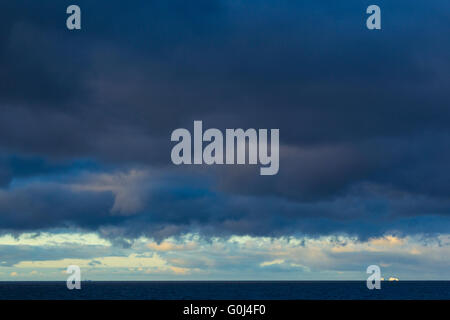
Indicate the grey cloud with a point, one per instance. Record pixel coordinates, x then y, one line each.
353 109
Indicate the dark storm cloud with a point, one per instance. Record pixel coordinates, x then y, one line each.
127 205
49 206
353 107
417 164
13 166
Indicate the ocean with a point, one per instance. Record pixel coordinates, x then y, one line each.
226 290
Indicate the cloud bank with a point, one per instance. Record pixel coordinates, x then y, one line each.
86 117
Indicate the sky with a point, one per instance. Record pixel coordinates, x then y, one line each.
86 117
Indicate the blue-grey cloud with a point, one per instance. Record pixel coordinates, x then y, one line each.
363 116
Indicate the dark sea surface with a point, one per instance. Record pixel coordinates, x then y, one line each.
226 290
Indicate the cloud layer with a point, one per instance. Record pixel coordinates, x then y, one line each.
86 117
237 257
